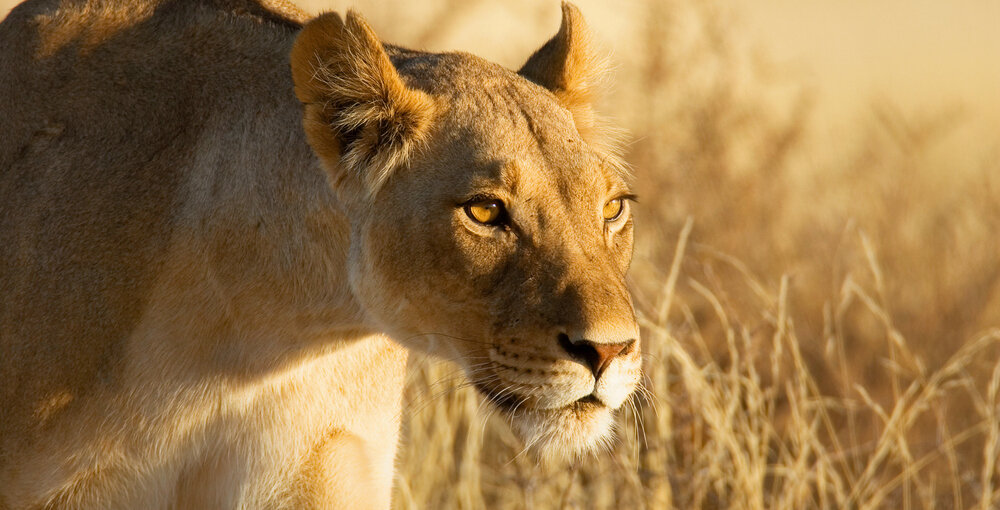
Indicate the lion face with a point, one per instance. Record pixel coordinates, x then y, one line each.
485 223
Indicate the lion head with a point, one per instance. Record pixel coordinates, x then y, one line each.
487 220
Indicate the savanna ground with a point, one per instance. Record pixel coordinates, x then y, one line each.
820 299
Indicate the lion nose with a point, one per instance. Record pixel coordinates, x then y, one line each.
596 355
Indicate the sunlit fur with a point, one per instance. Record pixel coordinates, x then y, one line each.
221 226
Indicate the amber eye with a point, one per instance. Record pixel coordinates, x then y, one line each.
613 209
487 212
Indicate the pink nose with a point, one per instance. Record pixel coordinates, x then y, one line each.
598 356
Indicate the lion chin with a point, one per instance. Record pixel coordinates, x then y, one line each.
566 433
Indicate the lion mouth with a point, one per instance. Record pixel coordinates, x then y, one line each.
511 402
583 407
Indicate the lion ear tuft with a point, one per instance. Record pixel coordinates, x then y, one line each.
359 116
568 67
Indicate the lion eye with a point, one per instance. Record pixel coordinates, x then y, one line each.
487 212
613 209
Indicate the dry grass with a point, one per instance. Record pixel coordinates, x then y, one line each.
820 316
730 435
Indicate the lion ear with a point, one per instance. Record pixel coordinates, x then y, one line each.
568 67
359 116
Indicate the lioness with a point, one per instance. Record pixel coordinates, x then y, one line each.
222 227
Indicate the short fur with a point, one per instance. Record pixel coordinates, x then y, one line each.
220 231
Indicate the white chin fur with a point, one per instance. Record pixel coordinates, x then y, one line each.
564 434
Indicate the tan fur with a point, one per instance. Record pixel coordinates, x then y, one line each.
220 232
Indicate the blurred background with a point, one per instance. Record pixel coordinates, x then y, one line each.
817 267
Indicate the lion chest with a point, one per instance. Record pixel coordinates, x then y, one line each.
267 444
